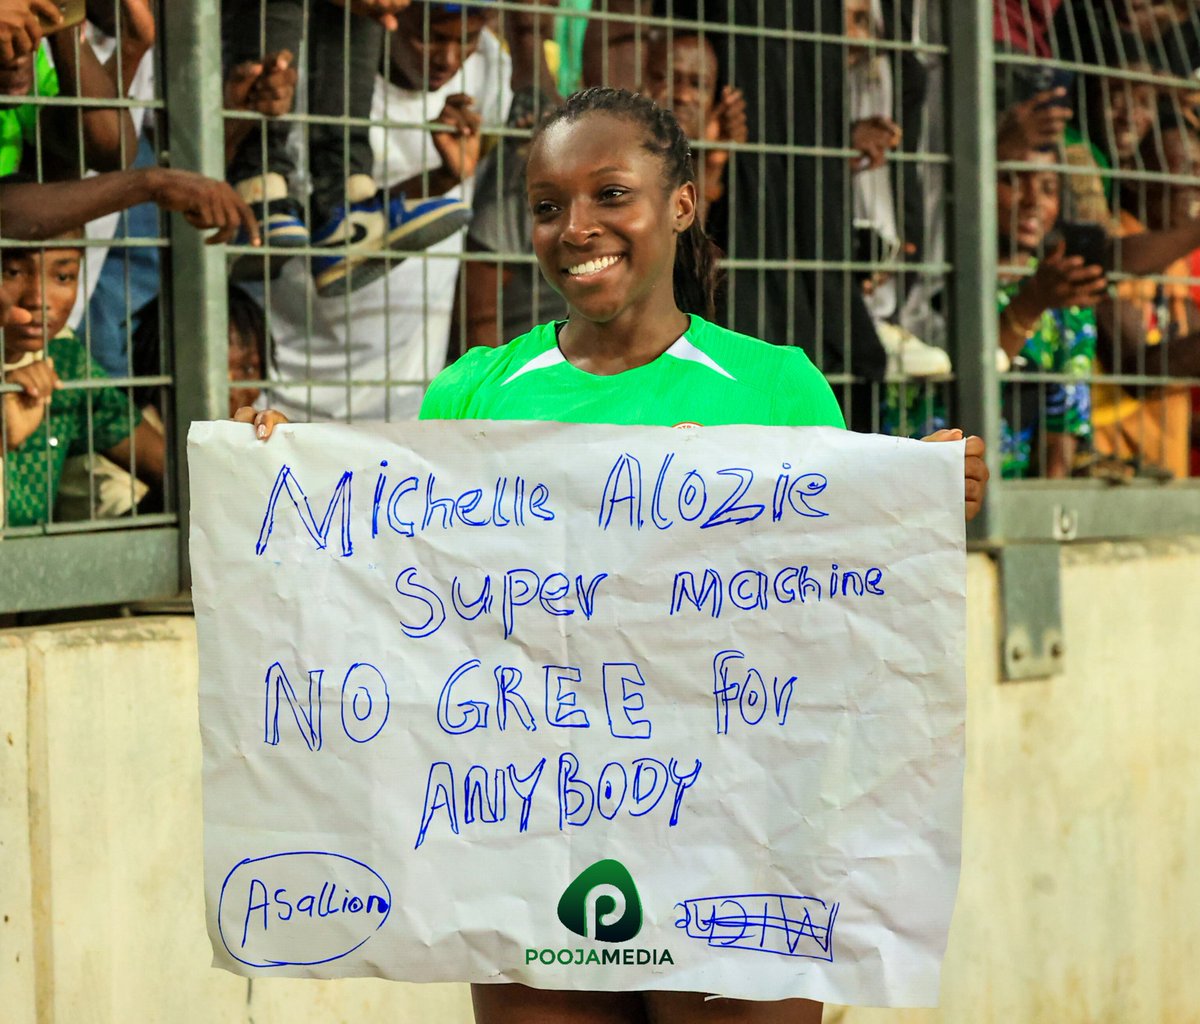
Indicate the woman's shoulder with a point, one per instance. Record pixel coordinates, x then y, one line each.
783 373
477 367
70 357
747 357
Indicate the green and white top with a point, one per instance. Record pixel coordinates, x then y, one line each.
708 377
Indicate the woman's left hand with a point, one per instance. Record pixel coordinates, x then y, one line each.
264 422
975 471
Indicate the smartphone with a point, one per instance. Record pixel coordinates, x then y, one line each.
1033 81
1087 240
73 12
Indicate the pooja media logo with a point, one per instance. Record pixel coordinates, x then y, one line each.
602 903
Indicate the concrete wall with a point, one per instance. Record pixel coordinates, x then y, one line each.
1079 892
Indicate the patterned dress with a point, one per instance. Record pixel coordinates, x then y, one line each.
106 415
1064 343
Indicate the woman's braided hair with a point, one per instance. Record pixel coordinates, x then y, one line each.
697 274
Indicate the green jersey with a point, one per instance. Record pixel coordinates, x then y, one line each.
709 376
18 124
105 415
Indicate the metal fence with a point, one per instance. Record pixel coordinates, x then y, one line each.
852 154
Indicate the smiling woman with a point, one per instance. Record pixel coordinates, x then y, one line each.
612 192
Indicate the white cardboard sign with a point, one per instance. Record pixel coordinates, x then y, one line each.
586 707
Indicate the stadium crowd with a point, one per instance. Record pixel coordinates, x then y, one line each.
375 200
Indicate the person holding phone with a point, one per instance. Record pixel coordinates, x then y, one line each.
1047 323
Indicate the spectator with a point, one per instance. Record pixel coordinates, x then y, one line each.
400 323
249 354
877 216
119 281
1047 325
614 50
707 110
40 290
1153 327
44 423
1121 113
350 213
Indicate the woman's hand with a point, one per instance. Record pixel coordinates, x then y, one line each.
1063 281
264 422
204 202
266 86
24 410
460 149
874 138
20 27
975 471
1035 124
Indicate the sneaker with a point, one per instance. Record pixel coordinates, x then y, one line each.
411 225
416 224
908 355
281 220
353 234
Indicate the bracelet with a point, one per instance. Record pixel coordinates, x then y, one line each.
1026 331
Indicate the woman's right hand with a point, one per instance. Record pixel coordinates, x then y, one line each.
264 421
1063 281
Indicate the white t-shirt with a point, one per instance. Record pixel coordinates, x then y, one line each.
396 329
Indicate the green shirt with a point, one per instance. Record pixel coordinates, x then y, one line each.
18 125
1064 342
710 376
33 470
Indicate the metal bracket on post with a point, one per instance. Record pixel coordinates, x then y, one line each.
1031 602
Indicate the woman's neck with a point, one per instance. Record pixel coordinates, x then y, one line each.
629 340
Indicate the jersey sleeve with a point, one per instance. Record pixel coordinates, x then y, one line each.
449 391
805 398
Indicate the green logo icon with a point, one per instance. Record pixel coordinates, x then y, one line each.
602 903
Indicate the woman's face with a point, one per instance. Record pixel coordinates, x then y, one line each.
604 223
1129 110
244 364
1028 204
44 283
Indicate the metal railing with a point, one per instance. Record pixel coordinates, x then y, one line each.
820 251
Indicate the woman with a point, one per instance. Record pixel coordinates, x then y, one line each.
612 191
1046 325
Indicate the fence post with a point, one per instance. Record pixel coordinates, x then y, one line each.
970 75
191 41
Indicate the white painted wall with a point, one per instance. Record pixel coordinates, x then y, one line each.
1080 885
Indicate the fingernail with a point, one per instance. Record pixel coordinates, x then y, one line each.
262 431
